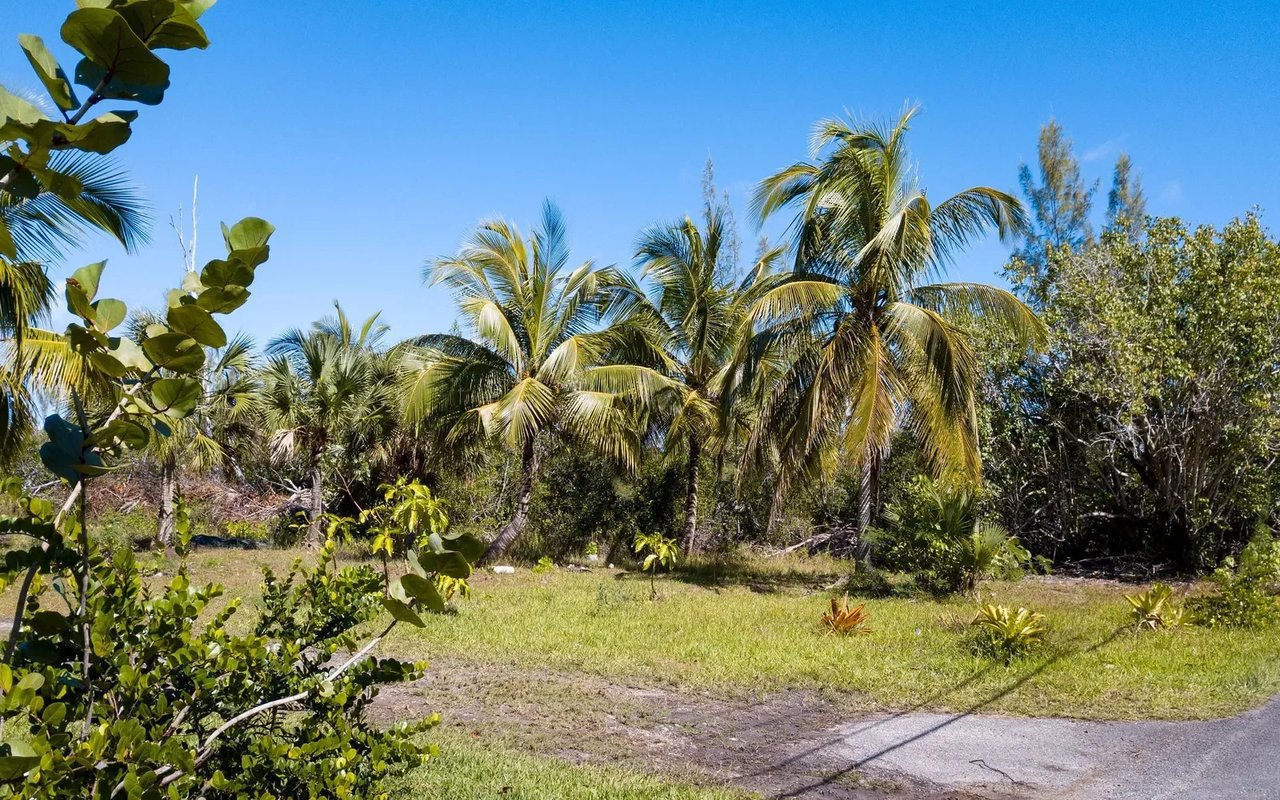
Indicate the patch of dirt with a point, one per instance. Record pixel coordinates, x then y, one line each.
776 744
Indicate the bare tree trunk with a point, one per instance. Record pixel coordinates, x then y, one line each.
315 527
528 474
168 492
690 542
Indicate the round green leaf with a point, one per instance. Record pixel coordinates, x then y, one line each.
198 324
176 397
109 313
175 351
110 47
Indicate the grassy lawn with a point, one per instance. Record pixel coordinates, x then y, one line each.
467 769
728 637
753 626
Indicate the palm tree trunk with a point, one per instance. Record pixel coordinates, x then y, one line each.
315 531
168 493
529 461
690 542
868 498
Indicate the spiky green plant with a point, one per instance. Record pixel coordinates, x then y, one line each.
1007 634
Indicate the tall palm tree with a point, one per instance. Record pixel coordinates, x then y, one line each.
688 328
316 392
872 341
533 330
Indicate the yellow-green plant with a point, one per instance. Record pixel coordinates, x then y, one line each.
661 551
843 620
448 586
1006 633
1155 610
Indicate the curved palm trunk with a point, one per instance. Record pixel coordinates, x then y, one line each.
529 461
168 493
315 530
690 542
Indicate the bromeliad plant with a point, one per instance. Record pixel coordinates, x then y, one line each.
661 551
1155 610
845 620
1007 634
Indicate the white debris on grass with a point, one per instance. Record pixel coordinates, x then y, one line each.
504 570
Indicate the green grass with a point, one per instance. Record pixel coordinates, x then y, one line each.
467 769
730 638
750 626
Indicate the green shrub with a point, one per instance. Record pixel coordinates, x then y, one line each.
1006 634
936 533
1243 594
544 565
253 531
661 551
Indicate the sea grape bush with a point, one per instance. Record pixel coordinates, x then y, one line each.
114 686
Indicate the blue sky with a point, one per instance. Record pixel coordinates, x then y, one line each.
376 134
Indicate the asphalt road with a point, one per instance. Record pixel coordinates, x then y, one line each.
1227 759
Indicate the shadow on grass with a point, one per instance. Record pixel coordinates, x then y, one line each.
835 776
759 575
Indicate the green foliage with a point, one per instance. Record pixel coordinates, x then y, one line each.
118 41
544 565
1149 427
1155 610
145 727
405 519
935 531
1006 634
1244 589
660 551
867 581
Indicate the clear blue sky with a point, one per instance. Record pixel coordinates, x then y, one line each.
376 134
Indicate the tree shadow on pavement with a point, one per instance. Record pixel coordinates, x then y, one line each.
836 776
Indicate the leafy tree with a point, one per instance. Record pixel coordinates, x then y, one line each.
317 392
517 377
1170 344
868 340
1126 202
1060 207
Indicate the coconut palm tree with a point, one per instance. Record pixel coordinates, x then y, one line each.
682 339
316 393
532 325
872 340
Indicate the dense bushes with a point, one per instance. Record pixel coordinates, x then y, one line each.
936 532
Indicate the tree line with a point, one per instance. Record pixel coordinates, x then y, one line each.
1118 402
